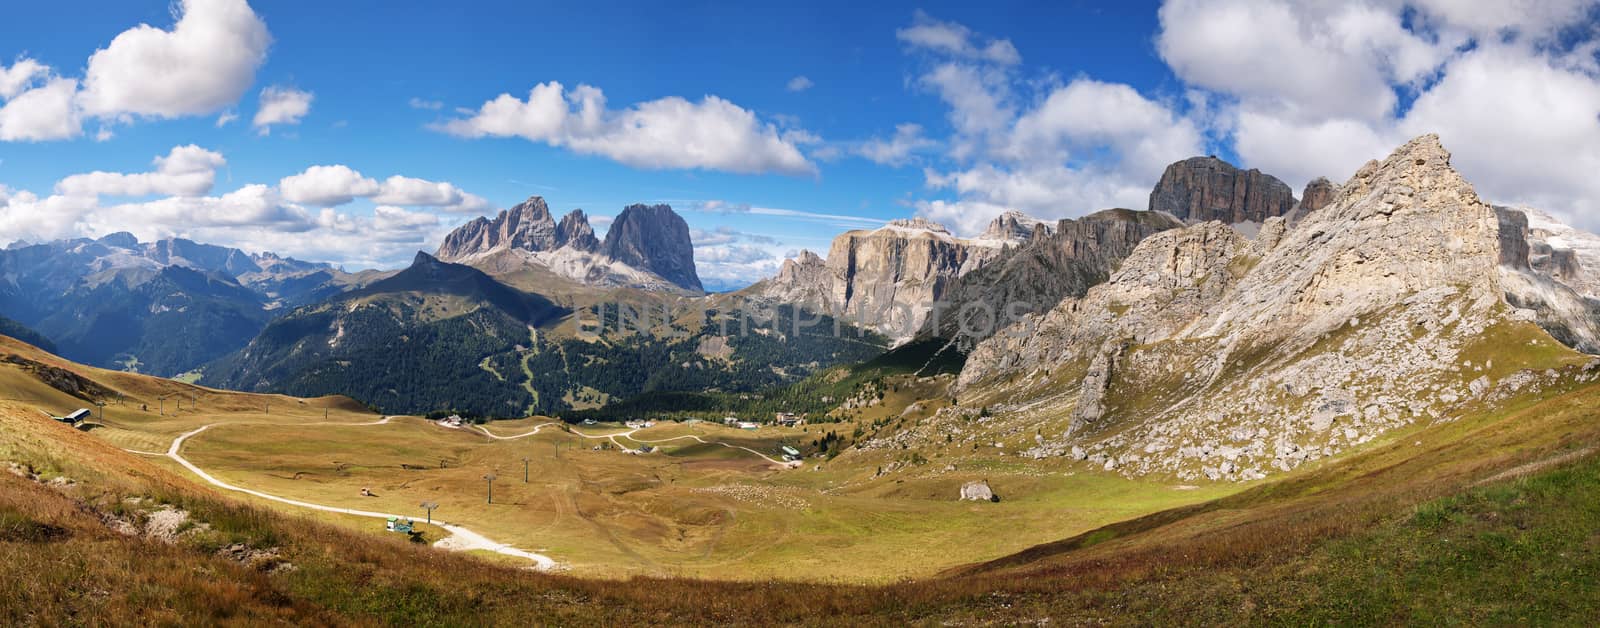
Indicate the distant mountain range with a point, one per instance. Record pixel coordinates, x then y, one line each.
162 307
444 336
494 323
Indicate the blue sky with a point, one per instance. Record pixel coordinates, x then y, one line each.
953 111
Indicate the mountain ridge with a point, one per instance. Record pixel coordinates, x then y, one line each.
647 246
1366 312
117 302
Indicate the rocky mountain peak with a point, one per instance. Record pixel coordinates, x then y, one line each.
574 231
1012 225
656 239
804 279
1199 189
527 226
121 240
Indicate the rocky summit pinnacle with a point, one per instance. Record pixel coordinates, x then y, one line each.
655 239
1199 189
527 226
574 231
1014 225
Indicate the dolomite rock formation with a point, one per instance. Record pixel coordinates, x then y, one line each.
574 231
1013 226
888 279
1547 281
1201 189
806 279
655 239
1235 358
647 246
1318 193
1033 277
1562 252
526 226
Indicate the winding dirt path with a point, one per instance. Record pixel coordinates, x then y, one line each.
461 539
630 436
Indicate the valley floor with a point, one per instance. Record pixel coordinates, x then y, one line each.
707 502
1486 518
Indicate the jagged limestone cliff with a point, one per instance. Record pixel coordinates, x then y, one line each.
1208 354
888 279
1031 278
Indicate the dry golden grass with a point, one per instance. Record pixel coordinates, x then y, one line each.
1287 551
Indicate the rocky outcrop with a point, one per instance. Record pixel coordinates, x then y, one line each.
1563 252
1318 193
1091 397
1547 281
1235 358
1513 238
574 231
1201 189
647 247
888 279
978 491
1052 264
655 239
805 279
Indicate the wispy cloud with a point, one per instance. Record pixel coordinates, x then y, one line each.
724 207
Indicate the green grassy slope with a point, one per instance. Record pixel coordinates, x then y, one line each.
1487 519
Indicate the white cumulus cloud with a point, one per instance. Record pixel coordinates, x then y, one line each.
19 76
672 132
281 105
327 186
42 113
338 184
186 171
203 64
1047 149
